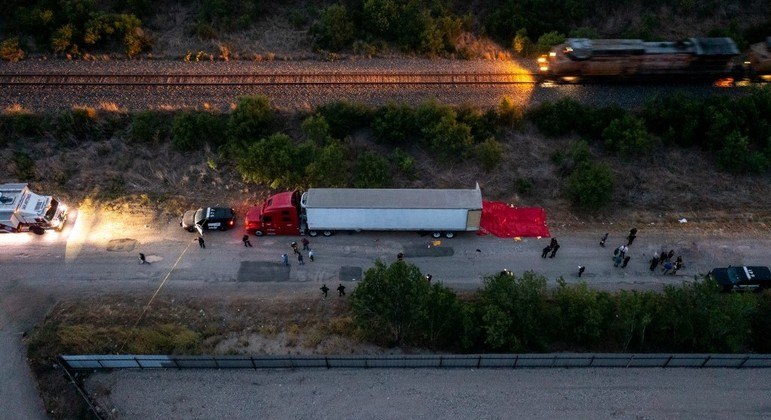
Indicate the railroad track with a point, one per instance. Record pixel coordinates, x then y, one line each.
275 79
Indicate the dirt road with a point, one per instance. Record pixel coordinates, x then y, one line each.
98 254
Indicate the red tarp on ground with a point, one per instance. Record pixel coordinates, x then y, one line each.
504 221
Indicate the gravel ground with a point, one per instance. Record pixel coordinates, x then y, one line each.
305 97
425 393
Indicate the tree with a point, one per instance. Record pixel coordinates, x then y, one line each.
628 136
590 187
272 160
252 119
330 168
316 129
389 305
490 153
371 171
395 124
192 129
582 313
334 30
736 156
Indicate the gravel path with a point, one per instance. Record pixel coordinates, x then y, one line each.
305 97
424 393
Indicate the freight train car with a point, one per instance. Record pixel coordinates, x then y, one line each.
759 61
693 59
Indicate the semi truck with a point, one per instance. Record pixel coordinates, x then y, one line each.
329 210
21 210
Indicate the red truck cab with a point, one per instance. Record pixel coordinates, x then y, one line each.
278 215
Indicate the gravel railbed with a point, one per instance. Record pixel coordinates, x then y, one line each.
304 97
443 394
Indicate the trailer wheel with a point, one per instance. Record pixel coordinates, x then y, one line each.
327 233
37 230
313 233
436 234
258 233
449 235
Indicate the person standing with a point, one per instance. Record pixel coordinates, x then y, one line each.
670 254
626 261
622 250
632 235
294 247
654 261
341 290
617 260
554 250
604 238
429 277
553 243
324 289
285 259
667 267
247 242
400 256
581 270
142 259
300 258
545 251
310 254
201 242
305 242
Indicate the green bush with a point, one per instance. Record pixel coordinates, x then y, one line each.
404 161
10 50
509 113
522 44
25 166
395 124
513 312
273 161
79 124
345 117
548 40
371 171
590 186
582 314
736 156
448 139
628 136
316 129
483 124
334 30
633 315
229 15
150 127
560 118
489 153
330 167
252 119
192 129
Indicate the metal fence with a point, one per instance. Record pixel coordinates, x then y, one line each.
473 361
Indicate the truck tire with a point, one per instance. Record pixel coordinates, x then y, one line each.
327 233
258 233
436 235
449 235
37 230
313 233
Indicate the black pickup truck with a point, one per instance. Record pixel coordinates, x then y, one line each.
742 278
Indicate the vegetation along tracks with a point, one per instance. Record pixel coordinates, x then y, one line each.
272 79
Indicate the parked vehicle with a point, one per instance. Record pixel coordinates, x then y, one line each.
759 61
220 218
742 278
21 210
328 210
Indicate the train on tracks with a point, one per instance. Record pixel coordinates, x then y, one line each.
692 59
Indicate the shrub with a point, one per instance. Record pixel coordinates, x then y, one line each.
316 129
395 124
524 186
483 124
371 171
334 30
509 113
79 124
272 161
25 166
489 153
192 129
329 168
590 187
560 118
448 139
522 44
404 161
548 40
676 119
149 127
344 117
628 136
581 313
10 50
736 156
62 41
252 119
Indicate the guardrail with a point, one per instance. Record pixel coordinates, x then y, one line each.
473 361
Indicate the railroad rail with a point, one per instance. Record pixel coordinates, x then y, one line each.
273 79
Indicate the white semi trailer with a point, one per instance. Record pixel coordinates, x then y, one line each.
22 210
437 211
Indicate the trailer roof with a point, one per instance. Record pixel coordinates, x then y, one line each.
393 198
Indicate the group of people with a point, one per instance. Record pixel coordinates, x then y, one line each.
665 260
551 249
296 250
619 254
340 290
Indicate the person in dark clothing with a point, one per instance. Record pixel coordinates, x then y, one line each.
581 270
545 251
626 261
294 247
305 244
632 235
246 240
670 254
341 290
300 259
201 242
324 289
554 250
654 261
399 256
429 277
285 259
604 238
142 259
553 243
